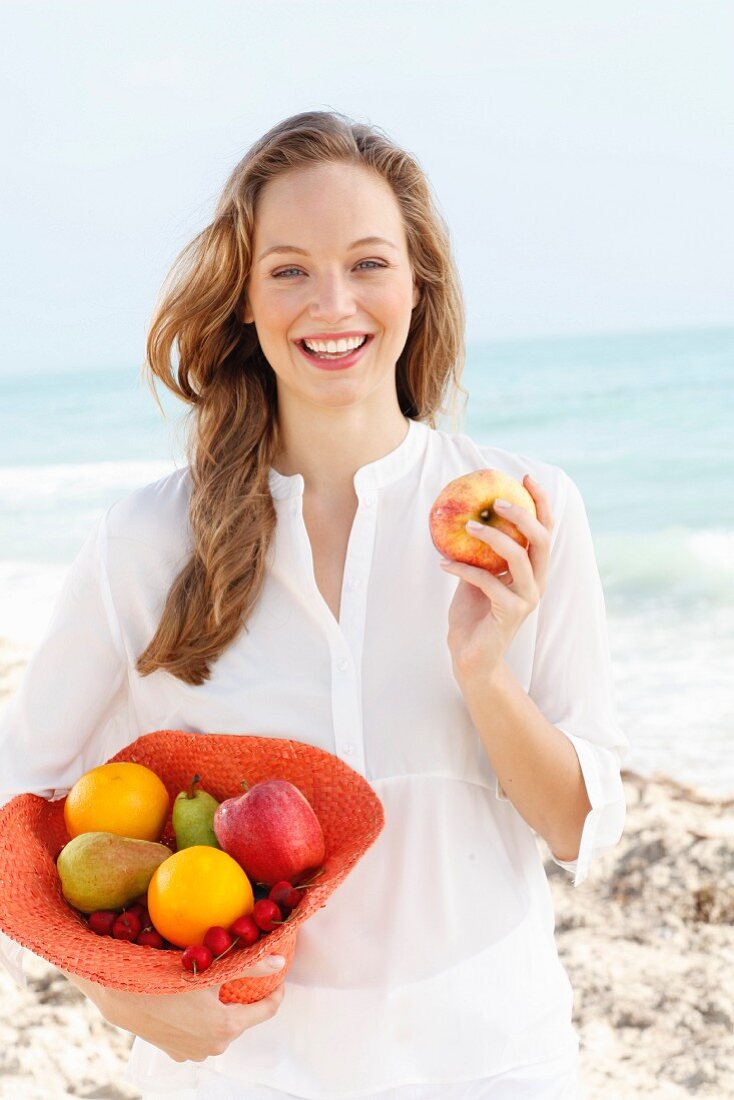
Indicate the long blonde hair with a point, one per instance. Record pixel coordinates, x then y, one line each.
223 374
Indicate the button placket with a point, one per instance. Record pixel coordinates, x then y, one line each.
347 700
347 713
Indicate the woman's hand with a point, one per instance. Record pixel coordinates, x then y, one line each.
487 611
185 1026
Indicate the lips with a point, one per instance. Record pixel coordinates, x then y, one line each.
340 363
331 354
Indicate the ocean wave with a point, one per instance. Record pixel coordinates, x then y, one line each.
36 484
676 566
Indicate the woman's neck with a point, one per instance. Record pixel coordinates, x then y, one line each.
327 450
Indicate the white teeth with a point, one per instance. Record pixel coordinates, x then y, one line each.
335 346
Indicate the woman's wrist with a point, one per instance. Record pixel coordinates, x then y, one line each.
97 994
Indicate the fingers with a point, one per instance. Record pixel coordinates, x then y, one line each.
516 556
542 504
264 967
528 567
535 530
493 587
217 1027
241 1017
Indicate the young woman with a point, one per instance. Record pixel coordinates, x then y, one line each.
285 583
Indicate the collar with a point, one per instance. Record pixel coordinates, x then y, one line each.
372 476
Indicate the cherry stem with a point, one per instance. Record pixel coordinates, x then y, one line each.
244 784
300 886
310 882
234 943
194 781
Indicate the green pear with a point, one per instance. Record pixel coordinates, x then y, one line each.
193 811
107 871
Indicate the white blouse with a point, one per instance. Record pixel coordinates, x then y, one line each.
435 960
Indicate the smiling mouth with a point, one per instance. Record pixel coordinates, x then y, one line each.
331 354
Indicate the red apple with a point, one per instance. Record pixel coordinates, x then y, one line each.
271 831
472 496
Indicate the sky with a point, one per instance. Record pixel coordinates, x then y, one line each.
581 153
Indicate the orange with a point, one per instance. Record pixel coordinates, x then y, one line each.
124 798
195 889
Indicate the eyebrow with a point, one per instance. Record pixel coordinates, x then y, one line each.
303 252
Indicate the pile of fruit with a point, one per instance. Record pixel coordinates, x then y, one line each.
238 871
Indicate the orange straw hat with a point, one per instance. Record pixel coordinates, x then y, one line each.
34 912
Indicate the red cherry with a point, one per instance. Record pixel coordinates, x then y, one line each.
141 912
218 940
266 914
101 921
245 929
150 938
284 895
127 927
196 958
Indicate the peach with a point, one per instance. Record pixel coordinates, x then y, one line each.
472 496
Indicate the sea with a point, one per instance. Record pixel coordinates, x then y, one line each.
643 423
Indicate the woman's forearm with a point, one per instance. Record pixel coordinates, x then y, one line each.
535 763
187 1026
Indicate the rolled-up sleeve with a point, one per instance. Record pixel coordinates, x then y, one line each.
572 681
75 682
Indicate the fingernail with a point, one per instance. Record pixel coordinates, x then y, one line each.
499 503
275 962
472 525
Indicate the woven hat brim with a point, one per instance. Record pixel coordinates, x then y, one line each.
34 912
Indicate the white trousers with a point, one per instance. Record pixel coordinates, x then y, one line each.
554 1080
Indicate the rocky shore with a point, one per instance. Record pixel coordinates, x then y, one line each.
648 942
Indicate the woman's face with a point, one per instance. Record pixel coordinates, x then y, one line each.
324 284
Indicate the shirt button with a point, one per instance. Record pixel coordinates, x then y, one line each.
294 509
348 748
369 501
343 665
354 582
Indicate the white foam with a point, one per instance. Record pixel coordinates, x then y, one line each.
27 485
672 673
675 566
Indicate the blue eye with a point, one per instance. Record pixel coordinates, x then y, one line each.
288 270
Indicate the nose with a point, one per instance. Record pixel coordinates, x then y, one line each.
333 299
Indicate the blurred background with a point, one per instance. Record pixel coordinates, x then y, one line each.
582 158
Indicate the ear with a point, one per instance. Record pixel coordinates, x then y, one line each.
416 295
247 317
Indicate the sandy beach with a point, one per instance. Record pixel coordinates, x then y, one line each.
648 942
